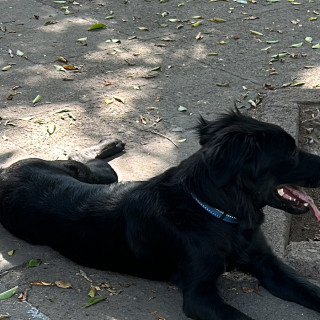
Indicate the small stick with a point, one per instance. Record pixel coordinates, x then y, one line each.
155 132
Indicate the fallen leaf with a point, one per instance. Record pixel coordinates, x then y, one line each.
63 110
9 293
222 42
247 290
36 99
9 123
256 33
4 316
113 41
217 20
19 53
63 285
252 103
97 26
296 84
143 29
11 252
107 101
272 41
6 68
197 24
182 140
59 68
199 36
296 45
92 292
23 296
182 109
143 120
280 55
94 300
84 275
41 283
222 84
34 263
82 39
251 18
316 46
308 39
47 23
51 128
313 18
120 99
156 69
69 67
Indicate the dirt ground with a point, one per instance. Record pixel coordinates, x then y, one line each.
304 227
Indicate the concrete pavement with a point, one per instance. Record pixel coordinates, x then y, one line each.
128 80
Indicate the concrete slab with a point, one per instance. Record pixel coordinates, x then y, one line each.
188 77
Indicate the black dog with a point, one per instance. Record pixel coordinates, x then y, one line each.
190 221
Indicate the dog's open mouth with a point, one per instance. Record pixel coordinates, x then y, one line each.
298 199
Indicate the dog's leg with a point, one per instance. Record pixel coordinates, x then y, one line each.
280 279
201 299
100 172
104 149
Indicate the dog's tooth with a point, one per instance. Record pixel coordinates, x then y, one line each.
280 192
306 204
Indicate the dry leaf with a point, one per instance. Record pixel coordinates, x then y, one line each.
23 296
92 292
143 120
6 68
247 290
120 99
41 283
63 285
51 128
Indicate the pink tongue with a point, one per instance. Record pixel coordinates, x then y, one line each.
302 196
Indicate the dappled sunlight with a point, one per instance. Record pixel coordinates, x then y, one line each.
310 76
4 263
67 23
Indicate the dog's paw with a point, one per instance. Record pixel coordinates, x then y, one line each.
104 149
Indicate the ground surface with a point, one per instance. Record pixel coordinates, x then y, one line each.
144 78
304 228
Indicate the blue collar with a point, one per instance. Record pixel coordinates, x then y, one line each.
215 212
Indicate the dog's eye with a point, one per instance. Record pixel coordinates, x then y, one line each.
294 153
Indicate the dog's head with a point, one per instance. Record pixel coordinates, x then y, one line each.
259 160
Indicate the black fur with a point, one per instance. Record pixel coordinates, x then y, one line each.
156 229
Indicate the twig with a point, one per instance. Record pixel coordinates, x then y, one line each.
155 132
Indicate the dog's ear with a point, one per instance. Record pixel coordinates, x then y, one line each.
235 160
203 130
